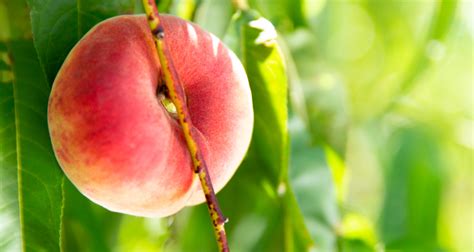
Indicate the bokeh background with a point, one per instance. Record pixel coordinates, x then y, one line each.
381 130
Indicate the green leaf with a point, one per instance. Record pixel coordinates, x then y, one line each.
211 10
163 5
31 180
3 65
144 234
313 184
58 25
189 222
272 209
285 14
184 9
87 226
414 183
264 64
14 21
359 233
9 209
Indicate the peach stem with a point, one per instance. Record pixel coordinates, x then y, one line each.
177 96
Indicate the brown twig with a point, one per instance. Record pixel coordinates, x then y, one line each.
177 96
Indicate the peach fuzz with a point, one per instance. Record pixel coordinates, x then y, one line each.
115 140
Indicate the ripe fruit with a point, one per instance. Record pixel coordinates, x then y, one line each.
114 138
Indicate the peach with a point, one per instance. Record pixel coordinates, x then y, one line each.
114 138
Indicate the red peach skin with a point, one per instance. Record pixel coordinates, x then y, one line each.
114 139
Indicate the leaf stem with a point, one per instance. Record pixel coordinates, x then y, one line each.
177 96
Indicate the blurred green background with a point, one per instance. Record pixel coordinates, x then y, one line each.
381 126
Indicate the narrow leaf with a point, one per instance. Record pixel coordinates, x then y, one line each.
314 187
254 38
57 27
10 239
285 14
414 184
31 180
211 10
3 65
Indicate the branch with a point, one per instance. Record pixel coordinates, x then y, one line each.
177 96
